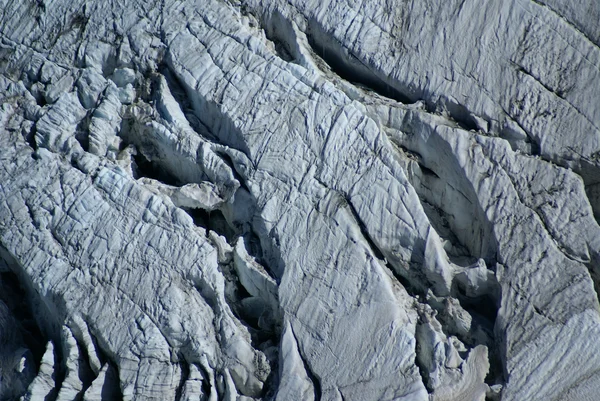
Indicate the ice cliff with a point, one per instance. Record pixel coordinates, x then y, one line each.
299 200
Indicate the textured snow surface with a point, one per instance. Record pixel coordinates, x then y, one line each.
299 200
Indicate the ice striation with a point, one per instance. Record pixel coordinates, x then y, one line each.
299 200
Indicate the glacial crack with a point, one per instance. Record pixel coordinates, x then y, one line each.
185 374
21 340
567 22
350 68
469 316
556 93
318 391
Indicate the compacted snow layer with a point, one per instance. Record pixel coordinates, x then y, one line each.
299 200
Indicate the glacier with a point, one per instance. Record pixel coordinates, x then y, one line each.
299 200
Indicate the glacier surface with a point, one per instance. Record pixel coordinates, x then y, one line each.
299 200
